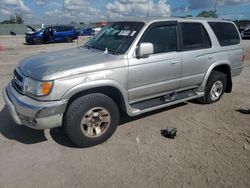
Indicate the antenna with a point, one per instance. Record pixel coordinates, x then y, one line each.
215 6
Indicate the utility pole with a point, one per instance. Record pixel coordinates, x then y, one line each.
148 11
215 6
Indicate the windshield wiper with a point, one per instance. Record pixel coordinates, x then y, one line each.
111 51
114 52
93 47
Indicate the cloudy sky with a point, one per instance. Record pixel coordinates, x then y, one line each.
65 11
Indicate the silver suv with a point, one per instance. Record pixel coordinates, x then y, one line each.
129 66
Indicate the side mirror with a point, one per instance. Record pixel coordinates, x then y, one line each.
145 49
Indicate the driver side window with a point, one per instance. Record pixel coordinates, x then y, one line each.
164 38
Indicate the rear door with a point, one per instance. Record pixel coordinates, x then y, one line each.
59 33
160 72
196 53
230 43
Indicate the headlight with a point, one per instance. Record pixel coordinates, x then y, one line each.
37 88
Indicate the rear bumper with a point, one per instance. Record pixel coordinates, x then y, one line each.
34 114
236 71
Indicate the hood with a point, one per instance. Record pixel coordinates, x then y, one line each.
55 65
32 31
31 28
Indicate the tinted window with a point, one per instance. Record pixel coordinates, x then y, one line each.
163 38
68 28
194 36
63 28
226 33
58 28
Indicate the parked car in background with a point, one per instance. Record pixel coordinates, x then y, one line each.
59 33
86 32
245 33
244 26
96 30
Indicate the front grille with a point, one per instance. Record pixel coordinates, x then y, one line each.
18 82
20 78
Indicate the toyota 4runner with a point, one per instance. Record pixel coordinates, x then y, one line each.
129 66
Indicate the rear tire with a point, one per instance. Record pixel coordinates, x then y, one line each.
69 39
91 119
215 88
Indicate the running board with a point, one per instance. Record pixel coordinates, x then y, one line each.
165 101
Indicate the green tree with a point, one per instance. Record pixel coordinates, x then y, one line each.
14 19
19 19
72 23
208 14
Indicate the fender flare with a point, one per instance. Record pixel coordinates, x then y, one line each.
210 69
97 84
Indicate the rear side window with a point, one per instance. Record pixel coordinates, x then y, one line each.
68 28
226 33
58 28
63 28
163 38
194 36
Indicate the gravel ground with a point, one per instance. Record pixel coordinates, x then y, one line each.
212 147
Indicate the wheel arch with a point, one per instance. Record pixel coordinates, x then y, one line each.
112 90
38 38
223 67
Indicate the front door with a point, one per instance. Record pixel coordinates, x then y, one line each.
160 72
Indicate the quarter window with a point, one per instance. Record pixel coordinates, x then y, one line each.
163 38
194 36
226 33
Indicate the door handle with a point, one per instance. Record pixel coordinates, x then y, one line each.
174 63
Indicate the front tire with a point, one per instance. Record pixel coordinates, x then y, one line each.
38 41
91 119
215 88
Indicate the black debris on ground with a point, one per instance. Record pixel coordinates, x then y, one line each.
243 111
169 132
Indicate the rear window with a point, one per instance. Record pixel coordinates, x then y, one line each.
226 33
194 36
63 28
68 28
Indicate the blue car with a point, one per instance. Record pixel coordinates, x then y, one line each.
86 32
60 33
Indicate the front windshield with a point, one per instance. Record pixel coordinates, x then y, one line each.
115 37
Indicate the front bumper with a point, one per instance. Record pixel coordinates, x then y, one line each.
32 113
29 40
